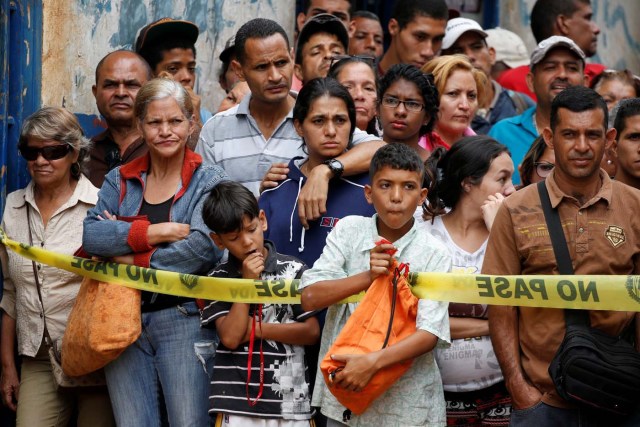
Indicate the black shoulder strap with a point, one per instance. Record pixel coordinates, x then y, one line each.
556 233
560 249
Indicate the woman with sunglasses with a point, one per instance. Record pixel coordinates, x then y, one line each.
149 213
357 74
48 213
460 86
408 106
537 164
466 186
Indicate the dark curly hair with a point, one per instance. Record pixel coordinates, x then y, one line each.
425 84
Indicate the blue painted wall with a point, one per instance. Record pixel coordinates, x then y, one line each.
78 33
20 46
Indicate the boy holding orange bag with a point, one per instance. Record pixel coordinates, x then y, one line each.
349 264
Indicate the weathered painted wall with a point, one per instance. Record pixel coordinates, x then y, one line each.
619 40
78 33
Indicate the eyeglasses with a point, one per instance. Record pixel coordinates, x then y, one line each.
543 169
358 58
413 106
51 152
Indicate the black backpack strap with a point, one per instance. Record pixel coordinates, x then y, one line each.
560 250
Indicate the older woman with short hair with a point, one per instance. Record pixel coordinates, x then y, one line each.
149 213
49 213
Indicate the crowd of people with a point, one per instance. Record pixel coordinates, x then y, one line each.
328 160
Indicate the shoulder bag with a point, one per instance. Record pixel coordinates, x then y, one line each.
63 381
591 368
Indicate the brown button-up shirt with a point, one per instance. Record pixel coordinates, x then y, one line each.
603 238
105 155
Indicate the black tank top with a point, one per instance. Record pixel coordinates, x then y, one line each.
151 301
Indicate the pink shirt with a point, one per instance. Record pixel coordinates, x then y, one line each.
432 140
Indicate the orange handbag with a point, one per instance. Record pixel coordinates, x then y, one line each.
386 315
104 321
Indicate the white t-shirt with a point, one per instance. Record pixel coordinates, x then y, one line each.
468 364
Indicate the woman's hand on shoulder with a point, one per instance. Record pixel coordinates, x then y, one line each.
167 232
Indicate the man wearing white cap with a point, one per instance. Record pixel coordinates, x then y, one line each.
556 64
465 36
511 52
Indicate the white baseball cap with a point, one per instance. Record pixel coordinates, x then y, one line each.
509 47
553 42
457 27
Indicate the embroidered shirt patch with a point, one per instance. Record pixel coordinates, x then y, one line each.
615 235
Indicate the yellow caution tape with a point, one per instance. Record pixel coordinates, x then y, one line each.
621 293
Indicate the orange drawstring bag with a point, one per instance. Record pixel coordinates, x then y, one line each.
386 315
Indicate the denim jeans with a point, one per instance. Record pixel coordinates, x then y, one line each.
542 414
172 356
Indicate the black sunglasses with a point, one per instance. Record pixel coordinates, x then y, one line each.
51 152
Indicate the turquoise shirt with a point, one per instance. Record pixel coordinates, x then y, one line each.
517 133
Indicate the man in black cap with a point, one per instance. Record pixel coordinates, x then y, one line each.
168 45
321 38
228 77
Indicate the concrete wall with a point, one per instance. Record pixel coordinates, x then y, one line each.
78 33
619 40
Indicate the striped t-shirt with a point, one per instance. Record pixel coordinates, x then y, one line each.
286 393
232 140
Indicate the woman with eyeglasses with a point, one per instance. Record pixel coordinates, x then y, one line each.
356 73
48 213
408 105
460 87
149 213
466 186
537 164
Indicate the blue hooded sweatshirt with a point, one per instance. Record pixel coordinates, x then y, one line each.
280 204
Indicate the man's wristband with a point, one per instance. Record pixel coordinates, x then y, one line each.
335 166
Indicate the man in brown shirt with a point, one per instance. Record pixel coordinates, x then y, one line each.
119 76
602 238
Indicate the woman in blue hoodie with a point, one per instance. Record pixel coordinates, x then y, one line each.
325 118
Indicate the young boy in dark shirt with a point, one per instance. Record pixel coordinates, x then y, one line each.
278 388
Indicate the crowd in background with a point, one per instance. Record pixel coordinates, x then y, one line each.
323 146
